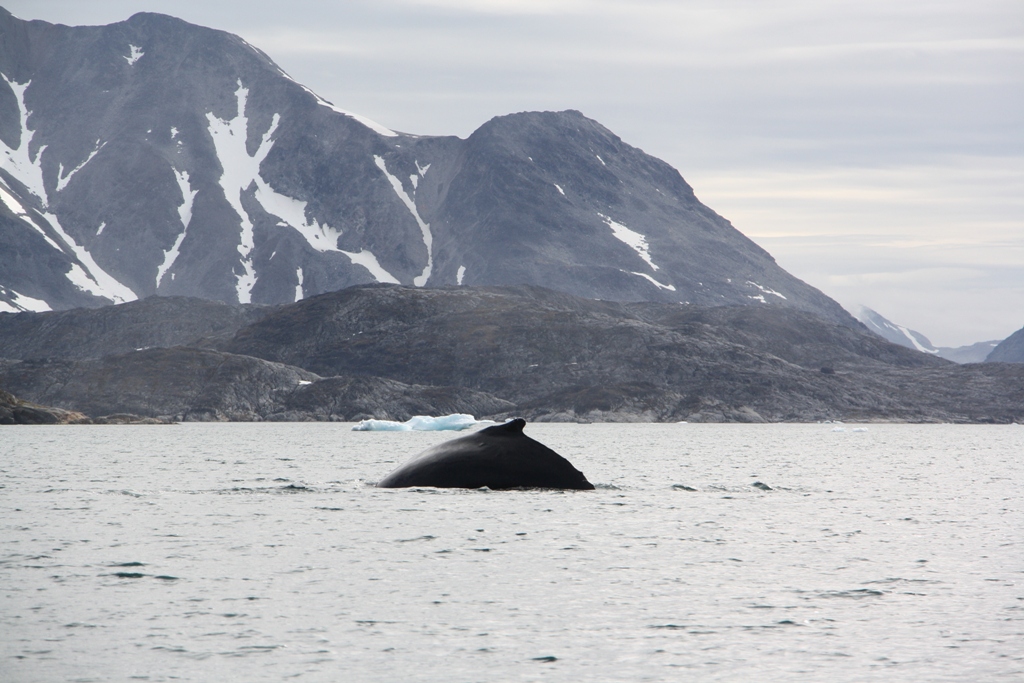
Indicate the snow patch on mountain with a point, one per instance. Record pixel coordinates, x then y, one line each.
897 334
428 238
460 275
136 55
765 290
19 161
367 260
298 287
240 172
21 302
654 282
63 180
188 195
632 238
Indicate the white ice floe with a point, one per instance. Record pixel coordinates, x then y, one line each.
460 275
428 239
135 56
366 259
421 423
63 180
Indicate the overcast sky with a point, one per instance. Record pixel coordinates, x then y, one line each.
875 148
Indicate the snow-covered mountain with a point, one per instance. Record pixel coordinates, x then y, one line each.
912 339
152 156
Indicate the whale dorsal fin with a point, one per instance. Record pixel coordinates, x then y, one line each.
510 428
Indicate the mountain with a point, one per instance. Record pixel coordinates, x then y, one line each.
1010 350
390 351
912 339
153 156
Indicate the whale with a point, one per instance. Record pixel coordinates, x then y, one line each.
498 457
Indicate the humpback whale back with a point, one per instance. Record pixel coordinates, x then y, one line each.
498 457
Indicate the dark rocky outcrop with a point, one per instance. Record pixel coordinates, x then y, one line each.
15 411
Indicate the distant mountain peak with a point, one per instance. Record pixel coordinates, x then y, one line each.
153 156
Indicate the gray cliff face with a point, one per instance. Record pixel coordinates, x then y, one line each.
391 352
1010 350
153 156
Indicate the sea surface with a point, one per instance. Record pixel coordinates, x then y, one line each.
262 552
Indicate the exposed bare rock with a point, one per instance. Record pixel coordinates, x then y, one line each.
15 411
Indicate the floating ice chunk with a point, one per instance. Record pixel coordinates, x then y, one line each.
860 429
839 429
421 423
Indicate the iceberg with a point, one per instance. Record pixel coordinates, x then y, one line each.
421 423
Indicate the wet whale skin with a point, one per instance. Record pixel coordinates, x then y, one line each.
498 457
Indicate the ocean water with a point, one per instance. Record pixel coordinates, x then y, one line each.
261 552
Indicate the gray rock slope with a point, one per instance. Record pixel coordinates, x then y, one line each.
1010 350
394 351
152 156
